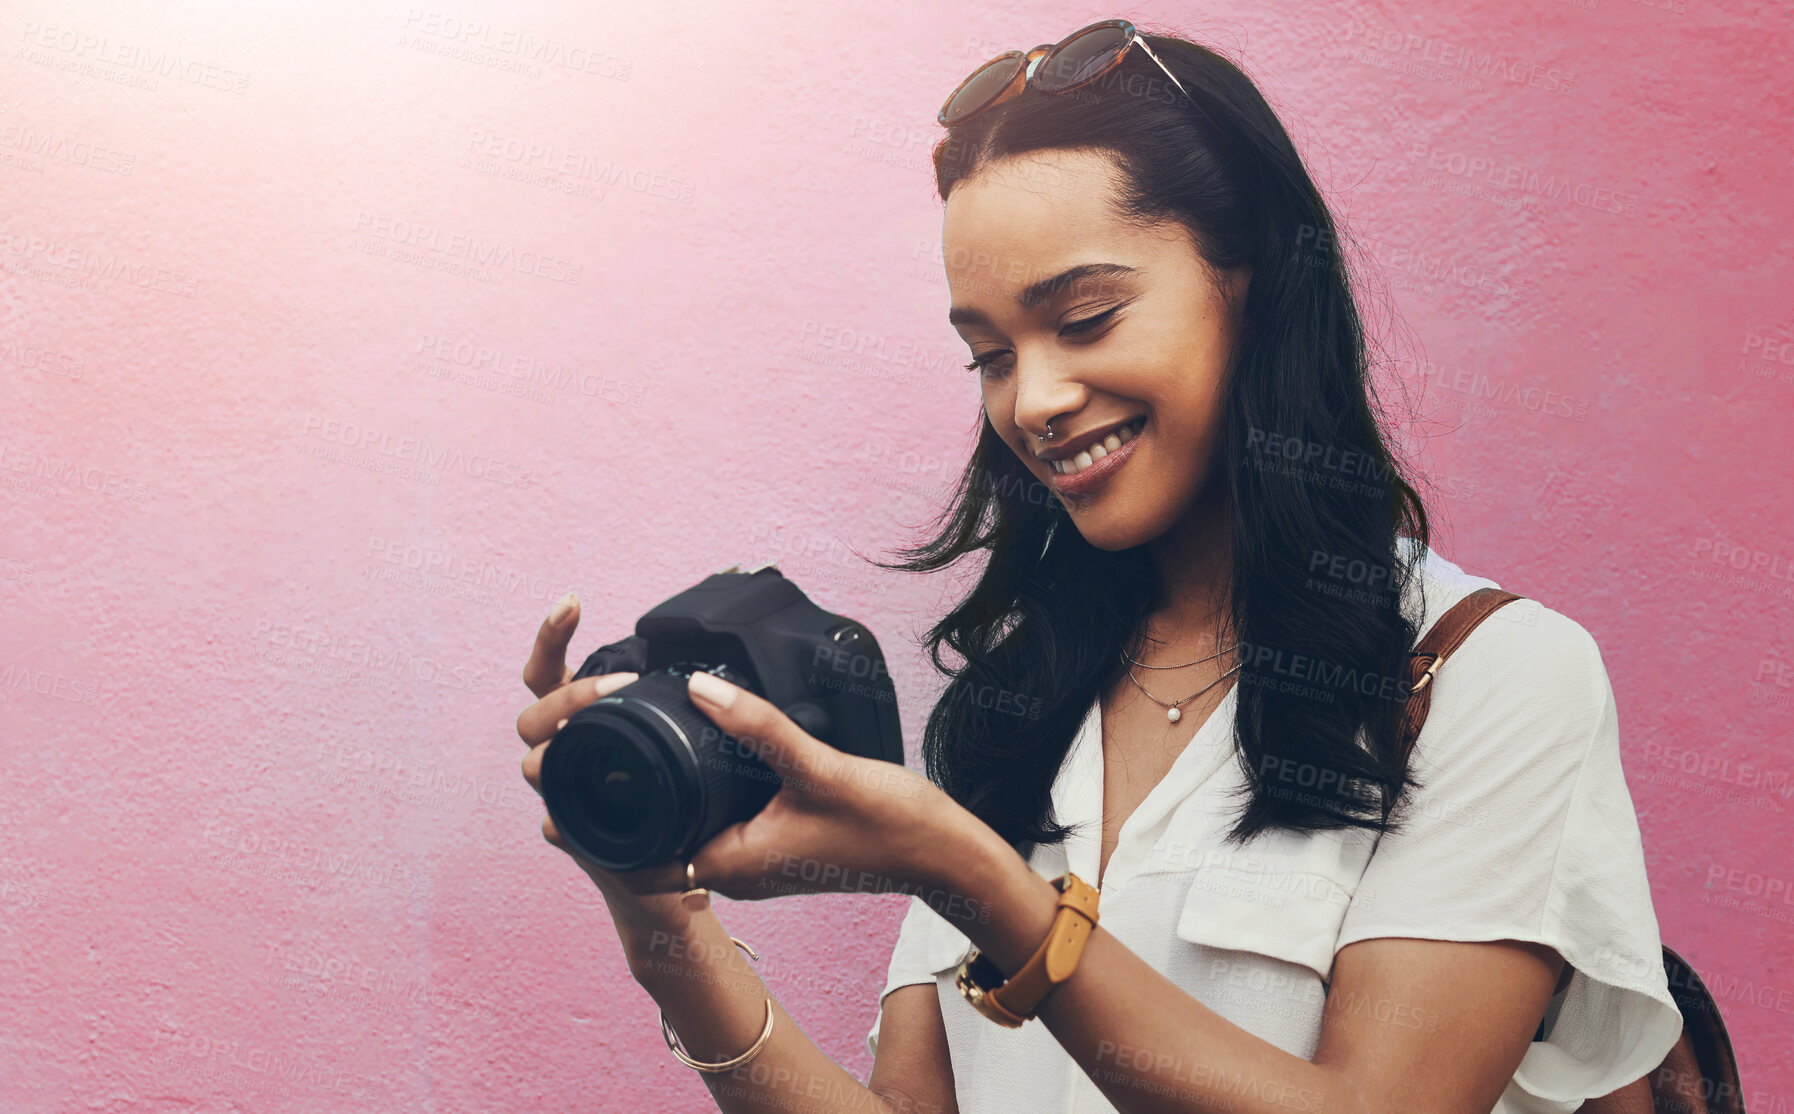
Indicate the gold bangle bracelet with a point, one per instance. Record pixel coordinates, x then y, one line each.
672 1038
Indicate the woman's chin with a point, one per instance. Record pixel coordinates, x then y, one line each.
1108 523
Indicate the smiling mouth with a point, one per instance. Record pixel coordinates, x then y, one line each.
1073 465
1088 472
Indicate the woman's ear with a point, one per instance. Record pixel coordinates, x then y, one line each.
1239 281
1234 285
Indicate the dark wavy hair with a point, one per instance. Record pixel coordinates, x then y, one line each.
1319 504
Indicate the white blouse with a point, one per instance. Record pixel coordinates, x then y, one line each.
1523 830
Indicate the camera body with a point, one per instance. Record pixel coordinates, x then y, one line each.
641 776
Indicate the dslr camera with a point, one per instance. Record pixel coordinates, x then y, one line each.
641 776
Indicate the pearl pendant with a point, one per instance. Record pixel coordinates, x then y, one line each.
1173 714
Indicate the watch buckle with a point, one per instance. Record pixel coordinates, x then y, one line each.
980 999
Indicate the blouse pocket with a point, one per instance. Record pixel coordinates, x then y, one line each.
1284 895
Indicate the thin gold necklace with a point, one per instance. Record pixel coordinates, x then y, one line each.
1198 661
1171 710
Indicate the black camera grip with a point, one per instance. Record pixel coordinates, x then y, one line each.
813 718
629 655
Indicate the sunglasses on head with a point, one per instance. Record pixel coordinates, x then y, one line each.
1076 60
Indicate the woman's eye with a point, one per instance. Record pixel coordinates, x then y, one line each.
983 362
1087 324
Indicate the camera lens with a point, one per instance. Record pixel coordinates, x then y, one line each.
642 776
613 784
616 782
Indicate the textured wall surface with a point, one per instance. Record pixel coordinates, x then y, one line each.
337 341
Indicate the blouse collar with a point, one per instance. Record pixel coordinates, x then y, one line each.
1078 790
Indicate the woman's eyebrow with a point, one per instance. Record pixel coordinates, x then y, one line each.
1038 292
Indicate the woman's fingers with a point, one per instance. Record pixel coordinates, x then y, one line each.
732 864
768 732
553 834
538 722
717 864
532 766
547 669
532 773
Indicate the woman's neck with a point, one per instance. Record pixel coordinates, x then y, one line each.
1194 560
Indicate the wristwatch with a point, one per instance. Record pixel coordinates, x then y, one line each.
1013 1001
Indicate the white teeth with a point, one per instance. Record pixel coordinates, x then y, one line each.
1099 450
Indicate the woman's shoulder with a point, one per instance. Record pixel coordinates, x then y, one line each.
1523 828
1524 659
1524 630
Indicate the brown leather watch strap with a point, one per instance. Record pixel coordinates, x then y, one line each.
1057 956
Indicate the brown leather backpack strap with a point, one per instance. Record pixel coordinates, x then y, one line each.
1699 1074
1444 636
1702 1061
1430 652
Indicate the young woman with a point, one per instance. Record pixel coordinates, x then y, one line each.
1181 672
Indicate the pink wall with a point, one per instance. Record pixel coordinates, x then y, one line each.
258 676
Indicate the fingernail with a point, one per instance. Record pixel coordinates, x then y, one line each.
560 610
611 682
561 724
713 690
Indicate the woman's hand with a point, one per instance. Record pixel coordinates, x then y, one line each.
838 824
635 908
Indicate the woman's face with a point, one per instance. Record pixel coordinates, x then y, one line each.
1117 336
